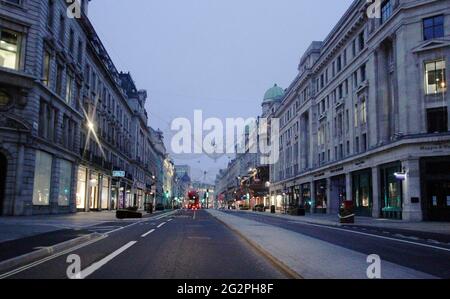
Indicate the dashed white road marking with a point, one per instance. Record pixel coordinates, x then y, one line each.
381 237
161 224
148 233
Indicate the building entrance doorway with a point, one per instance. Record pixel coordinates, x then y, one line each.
435 175
3 171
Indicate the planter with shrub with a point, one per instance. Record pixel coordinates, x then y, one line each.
128 214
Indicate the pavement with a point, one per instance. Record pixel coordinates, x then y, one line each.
13 228
333 219
179 245
327 251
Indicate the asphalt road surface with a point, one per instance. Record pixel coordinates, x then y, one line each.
428 253
185 245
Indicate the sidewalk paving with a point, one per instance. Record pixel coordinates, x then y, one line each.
309 257
13 228
333 220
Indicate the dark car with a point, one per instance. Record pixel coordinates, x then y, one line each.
159 207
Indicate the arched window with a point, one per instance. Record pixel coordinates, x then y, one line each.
5 99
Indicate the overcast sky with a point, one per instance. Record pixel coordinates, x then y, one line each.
216 55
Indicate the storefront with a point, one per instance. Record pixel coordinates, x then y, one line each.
435 174
305 190
321 197
391 191
362 192
93 190
337 193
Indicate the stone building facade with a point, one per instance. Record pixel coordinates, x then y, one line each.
367 117
68 118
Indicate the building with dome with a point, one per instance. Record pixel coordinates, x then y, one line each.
272 99
245 182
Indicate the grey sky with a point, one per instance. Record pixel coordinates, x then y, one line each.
216 55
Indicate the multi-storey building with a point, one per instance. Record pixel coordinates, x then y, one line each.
367 117
67 117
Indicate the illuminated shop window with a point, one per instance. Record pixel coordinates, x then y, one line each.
9 49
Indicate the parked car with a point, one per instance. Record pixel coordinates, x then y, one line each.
159 207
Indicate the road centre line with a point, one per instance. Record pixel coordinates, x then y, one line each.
161 224
148 233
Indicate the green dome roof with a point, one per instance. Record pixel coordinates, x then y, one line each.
276 93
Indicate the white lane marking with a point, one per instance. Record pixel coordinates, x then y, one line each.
381 237
94 267
44 260
194 215
169 220
105 235
161 224
148 233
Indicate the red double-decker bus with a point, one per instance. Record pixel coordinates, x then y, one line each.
194 200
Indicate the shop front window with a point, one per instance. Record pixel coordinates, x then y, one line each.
42 177
362 193
9 49
392 192
321 196
105 193
65 183
306 197
94 191
81 188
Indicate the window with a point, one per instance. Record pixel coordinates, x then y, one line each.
71 41
354 48
363 73
356 116
50 13
69 88
42 176
364 142
433 27
355 79
9 49
386 10
362 41
65 183
5 99
46 68
62 28
363 111
435 79
437 120
59 69
339 64
80 52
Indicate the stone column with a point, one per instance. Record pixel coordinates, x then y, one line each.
412 211
54 185
328 194
18 205
348 187
376 193
52 129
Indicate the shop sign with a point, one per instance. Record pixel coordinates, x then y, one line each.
118 174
